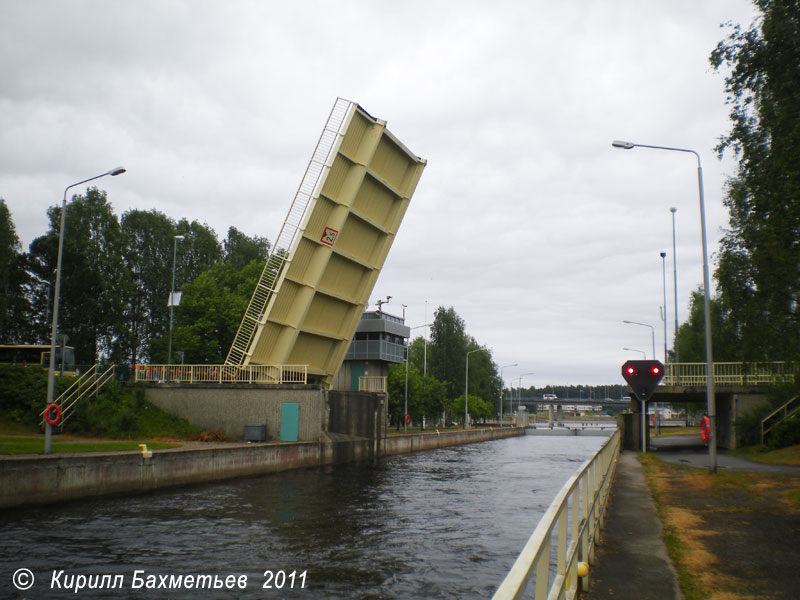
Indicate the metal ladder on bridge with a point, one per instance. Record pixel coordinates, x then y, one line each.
787 411
279 256
89 383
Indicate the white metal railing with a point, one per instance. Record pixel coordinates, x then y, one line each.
576 514
729 373
369 383
221 373
91 382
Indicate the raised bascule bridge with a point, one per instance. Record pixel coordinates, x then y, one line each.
276 382
331 248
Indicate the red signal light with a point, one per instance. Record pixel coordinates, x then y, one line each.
643 376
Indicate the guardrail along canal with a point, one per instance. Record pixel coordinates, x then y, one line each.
447 523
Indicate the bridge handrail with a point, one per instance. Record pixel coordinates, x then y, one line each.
578 507
275 374
779 414
730 373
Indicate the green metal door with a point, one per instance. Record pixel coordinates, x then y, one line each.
356 371
290 421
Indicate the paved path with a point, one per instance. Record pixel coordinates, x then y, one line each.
632 561
689 450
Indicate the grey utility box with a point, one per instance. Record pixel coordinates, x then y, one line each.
255 433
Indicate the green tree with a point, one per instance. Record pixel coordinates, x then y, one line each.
484 380
478 408
691 334
14 305
759 262
397 393
435 404
197 253
93 276
210 313
239 250
447 350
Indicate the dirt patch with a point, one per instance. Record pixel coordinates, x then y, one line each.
735 536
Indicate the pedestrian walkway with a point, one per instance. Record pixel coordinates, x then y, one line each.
631 561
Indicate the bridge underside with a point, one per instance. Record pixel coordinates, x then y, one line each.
731 403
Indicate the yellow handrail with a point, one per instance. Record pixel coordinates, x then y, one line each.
276 374
730 373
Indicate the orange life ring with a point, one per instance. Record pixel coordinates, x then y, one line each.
48 413
408 419
705 429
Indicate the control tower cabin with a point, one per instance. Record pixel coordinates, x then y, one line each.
378 342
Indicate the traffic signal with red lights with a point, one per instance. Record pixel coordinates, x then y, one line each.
643 376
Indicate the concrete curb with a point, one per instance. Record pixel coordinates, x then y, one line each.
632 561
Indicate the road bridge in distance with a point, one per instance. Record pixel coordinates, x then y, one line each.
739 388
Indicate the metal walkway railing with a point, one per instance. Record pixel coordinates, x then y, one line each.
791 408
372 383
576 514
275 374
730 373
90 382
245 335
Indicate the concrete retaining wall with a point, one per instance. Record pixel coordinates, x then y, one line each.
228 408
403 444
29 480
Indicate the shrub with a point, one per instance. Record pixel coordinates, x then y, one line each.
23 392
786 433
748 426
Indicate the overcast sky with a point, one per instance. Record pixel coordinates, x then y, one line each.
540 235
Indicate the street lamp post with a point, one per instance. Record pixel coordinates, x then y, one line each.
652 334
176 239
502 385
519 391
51 378
466 390
664 315
710 400
644 355
405 408
673 210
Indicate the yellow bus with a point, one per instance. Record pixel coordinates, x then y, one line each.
37 354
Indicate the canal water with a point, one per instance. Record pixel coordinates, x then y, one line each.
446 523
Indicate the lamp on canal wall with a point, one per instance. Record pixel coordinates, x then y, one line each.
644 354
172 299
519 391
502 389
466 389
673 210
51 378
652 333
663 256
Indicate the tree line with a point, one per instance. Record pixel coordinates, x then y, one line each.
756 311
116 282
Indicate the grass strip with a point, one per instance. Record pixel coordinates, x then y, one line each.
691 586
15 444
